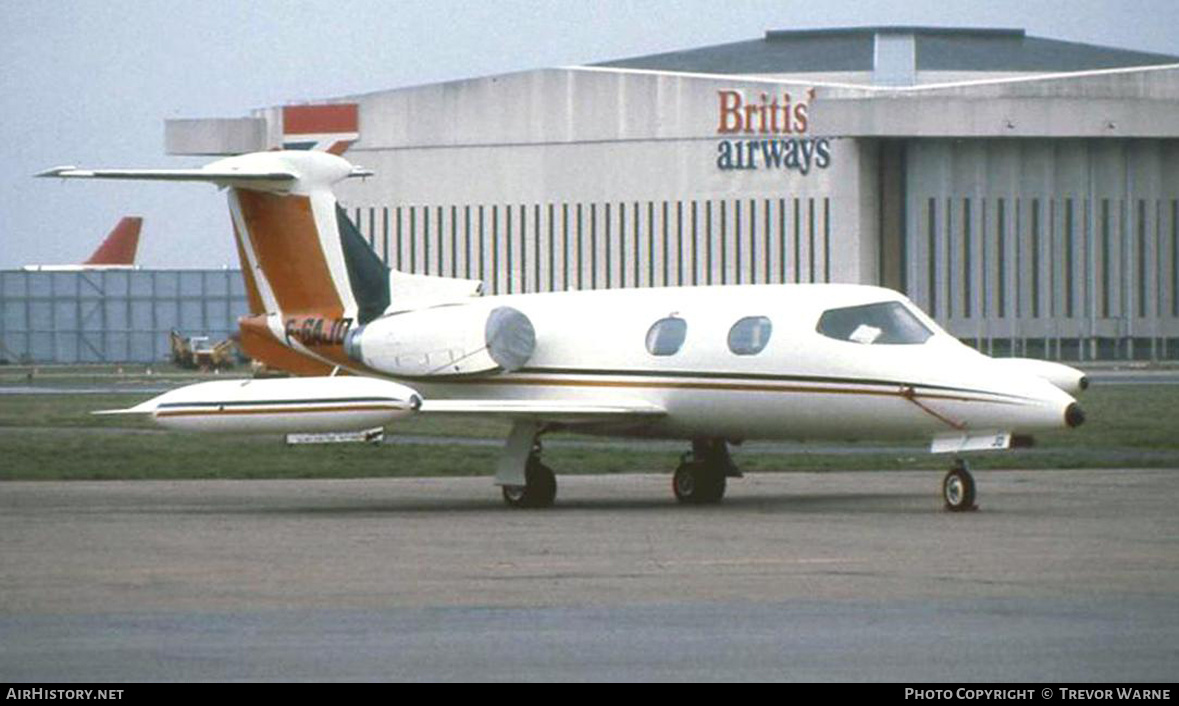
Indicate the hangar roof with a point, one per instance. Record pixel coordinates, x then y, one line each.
854 49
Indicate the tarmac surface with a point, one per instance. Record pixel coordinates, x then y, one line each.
1060 576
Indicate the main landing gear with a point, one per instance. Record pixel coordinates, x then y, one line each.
958 488
701 476
540 485
526 482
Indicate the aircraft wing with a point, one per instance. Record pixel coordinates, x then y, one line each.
571 412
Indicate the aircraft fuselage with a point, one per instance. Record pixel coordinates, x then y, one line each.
801 383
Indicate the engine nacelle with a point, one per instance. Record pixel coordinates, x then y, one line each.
284 406
458 339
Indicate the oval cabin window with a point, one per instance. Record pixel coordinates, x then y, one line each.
750 335
666 336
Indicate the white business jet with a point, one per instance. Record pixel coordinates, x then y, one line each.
710 365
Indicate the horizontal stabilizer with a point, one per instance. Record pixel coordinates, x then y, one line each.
262 171
225 177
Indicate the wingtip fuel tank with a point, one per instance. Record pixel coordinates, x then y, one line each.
285 406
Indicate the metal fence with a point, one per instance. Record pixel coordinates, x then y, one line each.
1059 249
113 316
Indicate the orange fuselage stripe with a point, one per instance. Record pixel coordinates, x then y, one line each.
739 387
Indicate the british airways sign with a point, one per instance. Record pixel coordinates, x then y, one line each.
768 131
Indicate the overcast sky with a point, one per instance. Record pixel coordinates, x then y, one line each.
90 82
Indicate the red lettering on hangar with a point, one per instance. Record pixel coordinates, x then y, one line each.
777 114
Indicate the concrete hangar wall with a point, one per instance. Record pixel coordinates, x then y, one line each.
1024 191
623 172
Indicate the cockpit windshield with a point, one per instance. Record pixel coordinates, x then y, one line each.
880 323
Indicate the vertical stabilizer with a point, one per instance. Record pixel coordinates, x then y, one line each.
310 277
120 244
301 254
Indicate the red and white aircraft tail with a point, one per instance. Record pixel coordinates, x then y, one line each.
117 250
120 245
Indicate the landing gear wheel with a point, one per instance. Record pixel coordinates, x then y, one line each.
540 489
694 483
958 489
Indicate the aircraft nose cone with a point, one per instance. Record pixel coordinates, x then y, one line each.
1073 416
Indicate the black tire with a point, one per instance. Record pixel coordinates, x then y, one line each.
697 484
958 490
540 489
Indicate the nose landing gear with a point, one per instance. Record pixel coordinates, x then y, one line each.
958 488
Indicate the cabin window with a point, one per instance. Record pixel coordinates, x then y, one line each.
750 335
882 323
666 336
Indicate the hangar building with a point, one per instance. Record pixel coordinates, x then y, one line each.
1024 191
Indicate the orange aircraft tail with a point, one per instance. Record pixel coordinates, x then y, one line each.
310 277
